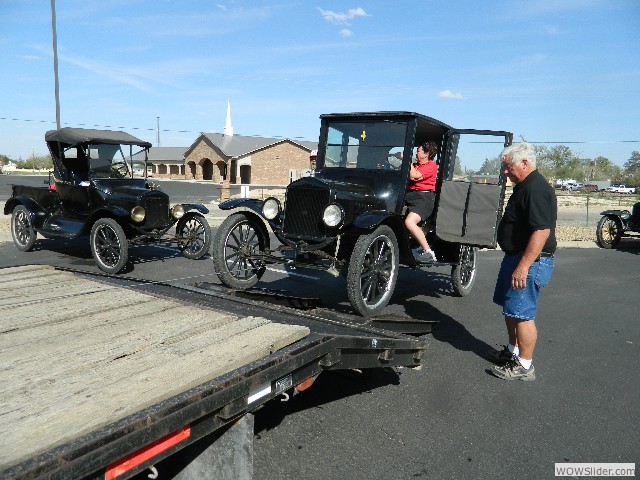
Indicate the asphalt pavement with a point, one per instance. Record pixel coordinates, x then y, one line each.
451 418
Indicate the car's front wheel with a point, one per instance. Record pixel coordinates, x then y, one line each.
22 231
373 271
608 232
463 275
237 239
194 235
109 245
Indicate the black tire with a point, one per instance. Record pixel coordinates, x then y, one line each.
373 271
109 245
463 275
22 232
238 237
608 232
194 235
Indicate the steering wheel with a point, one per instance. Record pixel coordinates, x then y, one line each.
120 168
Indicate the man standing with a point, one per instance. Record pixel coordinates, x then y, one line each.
527 236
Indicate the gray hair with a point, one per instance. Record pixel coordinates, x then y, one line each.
519 151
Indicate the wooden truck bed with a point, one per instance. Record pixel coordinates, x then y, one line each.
78 354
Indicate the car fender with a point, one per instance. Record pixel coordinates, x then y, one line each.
251 206
616 213
250 203
29 203
190 207
369 221
117 213
36 212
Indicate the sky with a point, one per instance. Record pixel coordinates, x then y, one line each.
565 71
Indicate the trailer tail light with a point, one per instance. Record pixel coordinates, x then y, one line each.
145 453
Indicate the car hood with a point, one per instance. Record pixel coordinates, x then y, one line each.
124 187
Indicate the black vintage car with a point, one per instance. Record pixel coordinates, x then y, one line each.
349 218
616 224
92 191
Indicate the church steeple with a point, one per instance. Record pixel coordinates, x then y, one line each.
228 129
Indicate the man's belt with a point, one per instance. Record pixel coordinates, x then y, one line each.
543 254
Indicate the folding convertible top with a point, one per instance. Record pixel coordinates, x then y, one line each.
74 136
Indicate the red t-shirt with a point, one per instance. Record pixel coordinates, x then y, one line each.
428 182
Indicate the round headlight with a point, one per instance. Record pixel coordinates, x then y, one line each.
270 208
177 211
332 215
137 214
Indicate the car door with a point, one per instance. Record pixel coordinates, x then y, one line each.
469 209
74 189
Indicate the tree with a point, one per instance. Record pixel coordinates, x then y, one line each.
37 162
490 166
632 168
457 169
600 168
559 162
543 162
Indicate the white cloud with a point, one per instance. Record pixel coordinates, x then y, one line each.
450 94
342 18
345 32
31 58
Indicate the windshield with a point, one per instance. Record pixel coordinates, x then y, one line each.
370 145
107 161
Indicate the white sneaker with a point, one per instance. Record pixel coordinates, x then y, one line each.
427 256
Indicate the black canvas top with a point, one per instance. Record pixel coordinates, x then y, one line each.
73 136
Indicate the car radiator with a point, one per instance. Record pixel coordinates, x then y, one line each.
157 212
303 213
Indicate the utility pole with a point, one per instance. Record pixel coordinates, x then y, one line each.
55 61
157 130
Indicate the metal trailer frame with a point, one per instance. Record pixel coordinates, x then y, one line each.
137 442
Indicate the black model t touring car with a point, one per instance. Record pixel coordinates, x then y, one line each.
349 218
616 224
94 192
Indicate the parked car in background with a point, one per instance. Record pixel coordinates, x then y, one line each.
591 187
94 193
621 189
572 185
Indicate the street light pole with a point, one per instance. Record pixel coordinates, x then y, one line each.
55 61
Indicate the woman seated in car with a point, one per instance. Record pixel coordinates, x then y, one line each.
420 198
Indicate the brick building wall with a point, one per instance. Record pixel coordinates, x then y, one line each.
271 165
202 152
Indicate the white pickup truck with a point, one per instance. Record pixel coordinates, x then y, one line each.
621 189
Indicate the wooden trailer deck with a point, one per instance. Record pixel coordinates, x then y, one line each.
77 354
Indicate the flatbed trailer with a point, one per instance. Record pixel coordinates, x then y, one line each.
103 377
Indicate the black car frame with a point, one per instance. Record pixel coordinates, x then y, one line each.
348 218
616 224
92 192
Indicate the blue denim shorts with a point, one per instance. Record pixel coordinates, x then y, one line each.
522 304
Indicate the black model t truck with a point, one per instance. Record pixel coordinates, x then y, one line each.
348 218
94 192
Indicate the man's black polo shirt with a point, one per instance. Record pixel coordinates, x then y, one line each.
532 206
